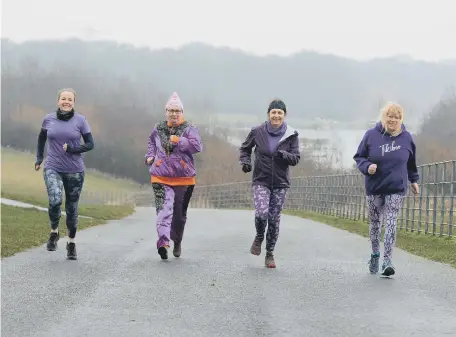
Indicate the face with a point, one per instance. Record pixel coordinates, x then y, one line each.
174 114
393 121
66 101
277 117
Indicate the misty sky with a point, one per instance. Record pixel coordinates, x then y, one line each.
353 28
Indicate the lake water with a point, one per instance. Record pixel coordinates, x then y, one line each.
345 141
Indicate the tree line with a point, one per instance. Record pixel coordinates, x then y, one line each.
121 113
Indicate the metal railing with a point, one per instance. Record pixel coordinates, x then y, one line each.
430 212
107 197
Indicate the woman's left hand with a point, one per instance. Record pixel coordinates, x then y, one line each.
65 146
415 188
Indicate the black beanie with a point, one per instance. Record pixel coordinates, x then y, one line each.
277 104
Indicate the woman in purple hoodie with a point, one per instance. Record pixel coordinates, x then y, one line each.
171 147
276 148
386 157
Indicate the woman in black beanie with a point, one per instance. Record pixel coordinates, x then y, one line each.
276 148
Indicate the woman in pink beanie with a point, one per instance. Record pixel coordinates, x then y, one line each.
171 147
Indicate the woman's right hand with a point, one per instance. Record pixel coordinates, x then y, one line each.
372 168
246 168
149 160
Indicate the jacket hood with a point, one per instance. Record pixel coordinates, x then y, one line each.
288 132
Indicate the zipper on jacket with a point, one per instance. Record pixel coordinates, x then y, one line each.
272 163
272 167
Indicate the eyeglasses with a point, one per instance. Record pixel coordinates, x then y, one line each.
177 112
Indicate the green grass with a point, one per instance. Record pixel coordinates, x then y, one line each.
24 228
21 182
439 249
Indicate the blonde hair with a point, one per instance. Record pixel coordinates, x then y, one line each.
61 91
391 108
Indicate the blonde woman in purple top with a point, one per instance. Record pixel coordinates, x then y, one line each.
64 167
386 156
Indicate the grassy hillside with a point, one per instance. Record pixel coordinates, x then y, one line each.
21 182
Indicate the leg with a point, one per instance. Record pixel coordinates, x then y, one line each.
261 197
278 197
182 196
375 205
54 187
164 202
393 204
73 183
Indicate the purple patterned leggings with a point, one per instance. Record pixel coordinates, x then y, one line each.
384 205
268 208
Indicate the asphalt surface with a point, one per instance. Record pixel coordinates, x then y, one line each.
120 287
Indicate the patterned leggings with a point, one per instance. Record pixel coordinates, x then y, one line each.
379 206
268 208
72 183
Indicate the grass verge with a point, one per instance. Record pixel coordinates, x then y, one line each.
21 182
439 249
24 228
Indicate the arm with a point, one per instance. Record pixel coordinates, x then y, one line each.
361 156
412 169
151 146
246 148
42 137
192 143
86 133
89 144
292 158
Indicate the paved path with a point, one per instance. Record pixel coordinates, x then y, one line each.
120 288
16 203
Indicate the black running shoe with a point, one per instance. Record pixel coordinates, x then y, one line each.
71 251
163 252
52 242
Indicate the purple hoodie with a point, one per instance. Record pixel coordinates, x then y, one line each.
395 157
173 160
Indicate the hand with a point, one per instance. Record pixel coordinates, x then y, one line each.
174 139
415 188
246 168
372 168
37 166
279 154
149 160
65 147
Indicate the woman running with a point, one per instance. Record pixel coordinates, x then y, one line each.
64 168
171 147
276 148
386 157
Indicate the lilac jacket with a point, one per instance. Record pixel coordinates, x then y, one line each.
173 160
